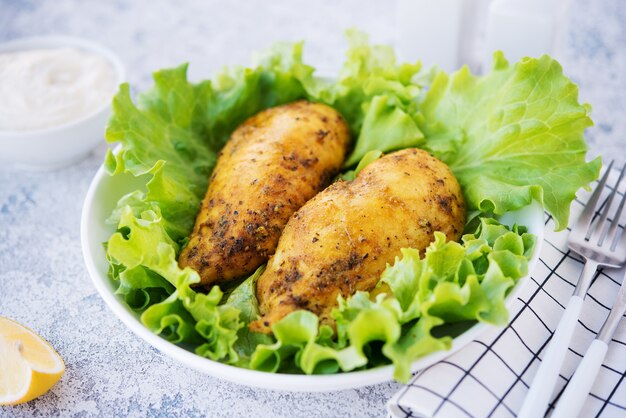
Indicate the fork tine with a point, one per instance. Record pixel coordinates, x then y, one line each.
619 243
584 221
600 225
613 234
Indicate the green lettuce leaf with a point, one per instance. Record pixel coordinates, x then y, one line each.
511 136
148 255
375 95
243 298
301 340
367 159
387 127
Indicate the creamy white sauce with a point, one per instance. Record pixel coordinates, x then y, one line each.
42 88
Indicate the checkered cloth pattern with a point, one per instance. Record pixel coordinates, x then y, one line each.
491 375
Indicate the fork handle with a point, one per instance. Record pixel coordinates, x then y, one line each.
586 276
541 389
579 386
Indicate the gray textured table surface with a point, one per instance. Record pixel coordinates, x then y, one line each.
43 282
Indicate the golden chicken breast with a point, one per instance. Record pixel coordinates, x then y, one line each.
343 238
272 164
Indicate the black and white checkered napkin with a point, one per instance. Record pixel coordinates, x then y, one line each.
490 376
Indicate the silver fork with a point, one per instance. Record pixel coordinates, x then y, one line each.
600 243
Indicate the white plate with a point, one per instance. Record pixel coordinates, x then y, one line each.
102 197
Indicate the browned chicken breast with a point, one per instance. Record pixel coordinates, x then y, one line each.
343 238
272 164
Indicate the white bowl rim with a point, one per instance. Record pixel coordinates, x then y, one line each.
265 380
59 41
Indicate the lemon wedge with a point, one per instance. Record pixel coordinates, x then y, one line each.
29 366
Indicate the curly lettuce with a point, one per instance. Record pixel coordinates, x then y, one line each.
376 95
511 136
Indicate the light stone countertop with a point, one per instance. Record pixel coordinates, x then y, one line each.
43 280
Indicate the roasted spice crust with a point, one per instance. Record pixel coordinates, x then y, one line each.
272 164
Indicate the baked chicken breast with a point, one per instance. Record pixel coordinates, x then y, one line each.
272 164
342 239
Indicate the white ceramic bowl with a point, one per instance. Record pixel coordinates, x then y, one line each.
64 144
102 197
